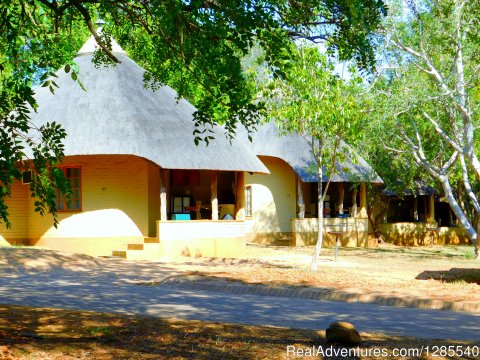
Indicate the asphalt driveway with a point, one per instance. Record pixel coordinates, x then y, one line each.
120 293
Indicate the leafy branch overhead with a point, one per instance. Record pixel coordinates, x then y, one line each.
194 46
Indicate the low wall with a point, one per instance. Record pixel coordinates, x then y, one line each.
94 233
272 238
417 234
202 238
306 232
93 246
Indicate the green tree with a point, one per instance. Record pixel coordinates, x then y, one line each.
30 51
324 109
428 99
399 177
194 46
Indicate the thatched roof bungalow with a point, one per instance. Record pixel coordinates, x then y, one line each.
132 163
142 188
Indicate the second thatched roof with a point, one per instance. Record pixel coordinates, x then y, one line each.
293 149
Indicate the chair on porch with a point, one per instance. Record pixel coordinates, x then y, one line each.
198 205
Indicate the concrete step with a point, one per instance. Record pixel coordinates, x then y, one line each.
120 253
131 246
150 251
284 240
135 246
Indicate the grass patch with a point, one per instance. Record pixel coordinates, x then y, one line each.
36 333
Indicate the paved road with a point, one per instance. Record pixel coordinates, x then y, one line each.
101 292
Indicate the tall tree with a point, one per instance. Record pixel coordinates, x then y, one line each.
195 46
323 108
429 94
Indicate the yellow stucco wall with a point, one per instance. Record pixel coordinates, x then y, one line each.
355 232
273 201
115 208
414 234
95 232
18 215
153 198
108 182
202 238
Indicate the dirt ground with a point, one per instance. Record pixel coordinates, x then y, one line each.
433 272
437 273
53 334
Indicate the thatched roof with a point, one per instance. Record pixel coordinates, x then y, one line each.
118 115
294 150
419 188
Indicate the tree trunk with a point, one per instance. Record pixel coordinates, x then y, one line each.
318 246
468 186
300 202
461 216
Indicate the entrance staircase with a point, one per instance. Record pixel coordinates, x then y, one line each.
149 250
284 239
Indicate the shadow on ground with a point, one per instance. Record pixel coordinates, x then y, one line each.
467 275
51 333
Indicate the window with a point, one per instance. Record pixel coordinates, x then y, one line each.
26 177
248 201
73 176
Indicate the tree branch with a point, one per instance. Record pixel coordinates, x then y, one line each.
450 162
432 170
386 147
442 133
93 31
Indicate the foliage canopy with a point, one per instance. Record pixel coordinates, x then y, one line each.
194 46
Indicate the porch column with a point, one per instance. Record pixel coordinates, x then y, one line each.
300 202
240 196
415 209
363 200
163 195
213 194
426 209
341 195
354 203
431 208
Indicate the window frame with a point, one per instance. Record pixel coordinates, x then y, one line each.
248 201
80 189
